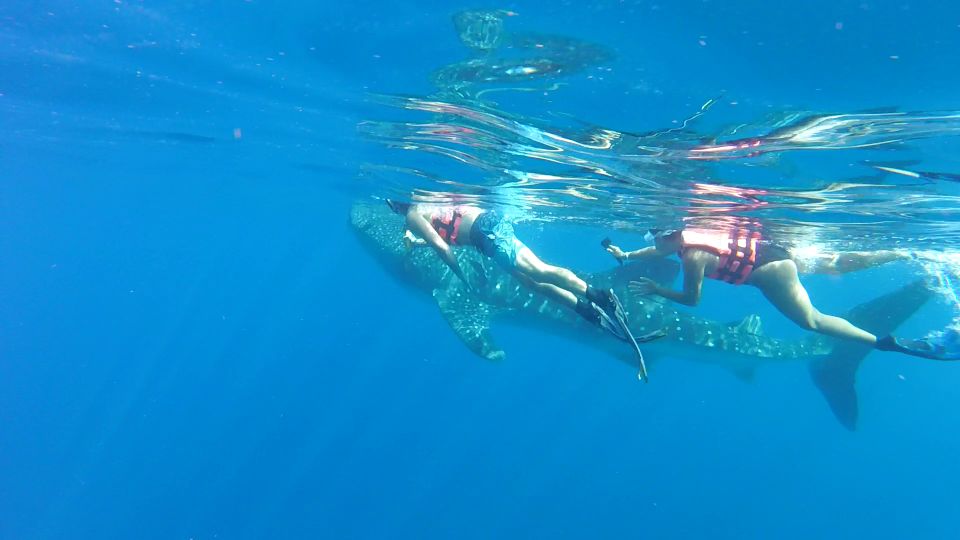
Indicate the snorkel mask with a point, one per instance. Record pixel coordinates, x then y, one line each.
653 234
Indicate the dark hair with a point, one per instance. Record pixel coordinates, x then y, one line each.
397 206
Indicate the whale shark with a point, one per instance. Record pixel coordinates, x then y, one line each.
740 347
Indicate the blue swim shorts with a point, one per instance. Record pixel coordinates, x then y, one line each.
494 237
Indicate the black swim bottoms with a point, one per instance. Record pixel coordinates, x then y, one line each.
768 253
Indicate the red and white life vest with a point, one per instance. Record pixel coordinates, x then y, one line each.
446 221
736 248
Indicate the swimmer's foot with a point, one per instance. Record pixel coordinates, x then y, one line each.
599 317
603 298
932 348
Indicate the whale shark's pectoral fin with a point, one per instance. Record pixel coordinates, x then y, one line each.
836 374
469 318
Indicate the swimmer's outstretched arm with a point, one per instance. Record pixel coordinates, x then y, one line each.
693 271
650 251
811 261
421 227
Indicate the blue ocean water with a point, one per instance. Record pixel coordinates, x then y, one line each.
194 343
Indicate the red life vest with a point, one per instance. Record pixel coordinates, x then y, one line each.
737 250
446 221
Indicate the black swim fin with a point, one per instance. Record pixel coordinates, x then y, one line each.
616 328
621 317
650 336
609 324
616 322
944 348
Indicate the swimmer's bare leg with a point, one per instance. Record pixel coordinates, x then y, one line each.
846 262
529 265
585 308
549 290
779 283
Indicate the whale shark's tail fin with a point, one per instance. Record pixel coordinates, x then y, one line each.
835 375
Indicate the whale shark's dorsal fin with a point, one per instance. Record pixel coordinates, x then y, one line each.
750 324
469 318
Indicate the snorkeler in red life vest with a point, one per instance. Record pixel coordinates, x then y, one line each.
740 255
442 226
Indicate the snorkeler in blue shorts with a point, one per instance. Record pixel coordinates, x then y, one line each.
443 226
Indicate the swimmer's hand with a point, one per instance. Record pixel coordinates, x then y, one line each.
644 287
410 241
617 253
